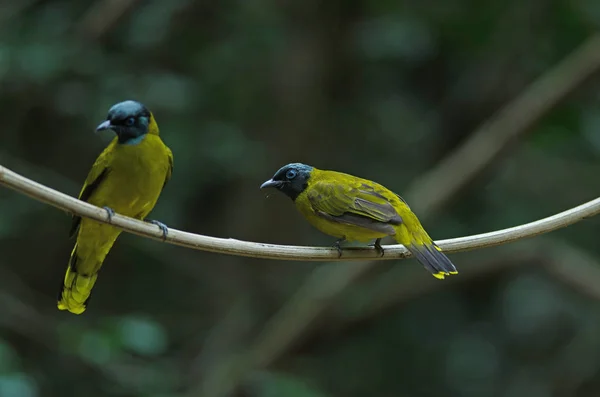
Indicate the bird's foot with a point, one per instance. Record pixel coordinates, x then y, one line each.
379 248
109 212
337 246
163 228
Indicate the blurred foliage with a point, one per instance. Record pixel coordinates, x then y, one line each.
381 89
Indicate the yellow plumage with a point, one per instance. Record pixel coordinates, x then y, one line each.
356 209
128 178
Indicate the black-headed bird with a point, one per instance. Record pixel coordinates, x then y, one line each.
126 178
355 209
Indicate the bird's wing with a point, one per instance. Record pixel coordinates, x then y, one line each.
170 169
360 205
97 174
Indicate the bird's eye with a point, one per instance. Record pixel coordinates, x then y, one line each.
129 121
291 174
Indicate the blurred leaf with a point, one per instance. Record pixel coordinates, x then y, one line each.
227 146
72 98
589 10
393 38
590 127
164 395
142 336
17 385
5 59
558 128
531 306
278 384
8 357
169 91
14 212
473 363
40 61
150 23
525 382
96 347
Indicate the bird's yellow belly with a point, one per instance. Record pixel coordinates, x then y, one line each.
131 188
130 193
340 230
134 183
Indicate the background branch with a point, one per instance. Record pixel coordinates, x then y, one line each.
429 193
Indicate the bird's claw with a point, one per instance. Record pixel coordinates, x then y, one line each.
337 246
109 212
379 248
163 228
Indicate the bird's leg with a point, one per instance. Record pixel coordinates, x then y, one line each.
378 247
110 212
336 245
163 228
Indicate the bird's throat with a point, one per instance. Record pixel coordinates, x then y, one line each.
131 140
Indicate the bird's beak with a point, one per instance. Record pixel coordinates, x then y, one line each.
271 183
105 125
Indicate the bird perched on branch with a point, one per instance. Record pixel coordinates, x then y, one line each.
126 178
356 209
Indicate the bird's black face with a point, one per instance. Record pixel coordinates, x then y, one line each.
129 120
291 179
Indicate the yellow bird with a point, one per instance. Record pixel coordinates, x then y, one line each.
356 209
126 178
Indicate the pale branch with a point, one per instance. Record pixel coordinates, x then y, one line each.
230 246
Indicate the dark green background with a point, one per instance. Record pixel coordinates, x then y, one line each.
380 89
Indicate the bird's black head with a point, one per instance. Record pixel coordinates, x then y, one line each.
130 120
291 179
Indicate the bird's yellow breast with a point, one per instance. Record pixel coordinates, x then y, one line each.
136 174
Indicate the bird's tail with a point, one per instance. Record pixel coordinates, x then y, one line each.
77 287
422 247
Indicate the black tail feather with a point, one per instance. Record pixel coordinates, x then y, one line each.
434 260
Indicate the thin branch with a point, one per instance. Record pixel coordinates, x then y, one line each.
230 246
